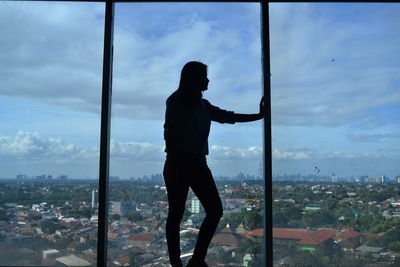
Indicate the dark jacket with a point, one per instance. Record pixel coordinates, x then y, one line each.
187 123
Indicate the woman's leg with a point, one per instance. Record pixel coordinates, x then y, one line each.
177 191
204 187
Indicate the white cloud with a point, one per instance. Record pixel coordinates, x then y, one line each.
135 151
279 155
36 147
230 153
30 149
348 155
301 153
32 145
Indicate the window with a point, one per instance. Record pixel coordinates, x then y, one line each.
152 42
335 110
50 97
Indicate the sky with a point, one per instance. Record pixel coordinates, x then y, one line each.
334 86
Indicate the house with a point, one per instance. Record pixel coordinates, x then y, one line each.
315 239
112 236
228 237
368 249
77 246
122 261
365 251
312 207
302 238
50 253
288 236
73 260
140 240
240 229
255 235
348 239
72 246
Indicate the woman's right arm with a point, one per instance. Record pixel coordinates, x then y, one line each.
223 116
252 117
247 117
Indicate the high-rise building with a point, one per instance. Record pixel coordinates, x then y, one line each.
93 198
63 177
195 205
362 179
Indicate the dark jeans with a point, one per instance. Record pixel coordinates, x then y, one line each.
180 173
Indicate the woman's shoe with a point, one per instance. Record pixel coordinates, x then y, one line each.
196 263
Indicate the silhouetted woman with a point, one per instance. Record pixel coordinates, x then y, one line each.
187 125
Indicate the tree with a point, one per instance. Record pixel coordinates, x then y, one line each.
394 246
396 261
62 243
35 243
279 219
256 261
115 217
253 219
304 258
134 216
331 252
50 227
246 247
389 237
320 218
3 216
133 259
223 256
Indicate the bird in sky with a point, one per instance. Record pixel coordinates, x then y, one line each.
316 169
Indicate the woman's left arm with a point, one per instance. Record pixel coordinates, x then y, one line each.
251 117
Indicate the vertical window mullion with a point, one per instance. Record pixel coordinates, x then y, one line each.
268 255
105 134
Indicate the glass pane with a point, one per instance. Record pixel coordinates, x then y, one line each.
335 115
50 92
152 44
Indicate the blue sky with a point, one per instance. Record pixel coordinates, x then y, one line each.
335 85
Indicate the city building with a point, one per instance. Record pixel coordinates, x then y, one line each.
63 177
227 237
301 238
195 206
122 207
94 198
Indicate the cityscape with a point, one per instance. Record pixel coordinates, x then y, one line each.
53 222
335 108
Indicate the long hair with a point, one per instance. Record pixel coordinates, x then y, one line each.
191 73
